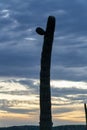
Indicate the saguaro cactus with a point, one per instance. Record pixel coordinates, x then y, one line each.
85 113
45 94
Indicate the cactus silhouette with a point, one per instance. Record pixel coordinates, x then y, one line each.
85 113
45 93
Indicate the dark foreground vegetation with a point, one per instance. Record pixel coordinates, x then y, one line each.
67 127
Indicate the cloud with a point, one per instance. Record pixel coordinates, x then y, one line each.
20 46
63 92
5 13
20 96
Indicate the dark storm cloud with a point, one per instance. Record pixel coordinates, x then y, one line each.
17 41
20 46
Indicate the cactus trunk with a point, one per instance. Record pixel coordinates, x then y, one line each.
45 93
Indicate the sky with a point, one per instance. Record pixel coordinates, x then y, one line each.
20 54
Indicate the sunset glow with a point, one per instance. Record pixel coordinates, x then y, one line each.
21 103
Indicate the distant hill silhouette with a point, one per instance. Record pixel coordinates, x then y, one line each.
67 127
